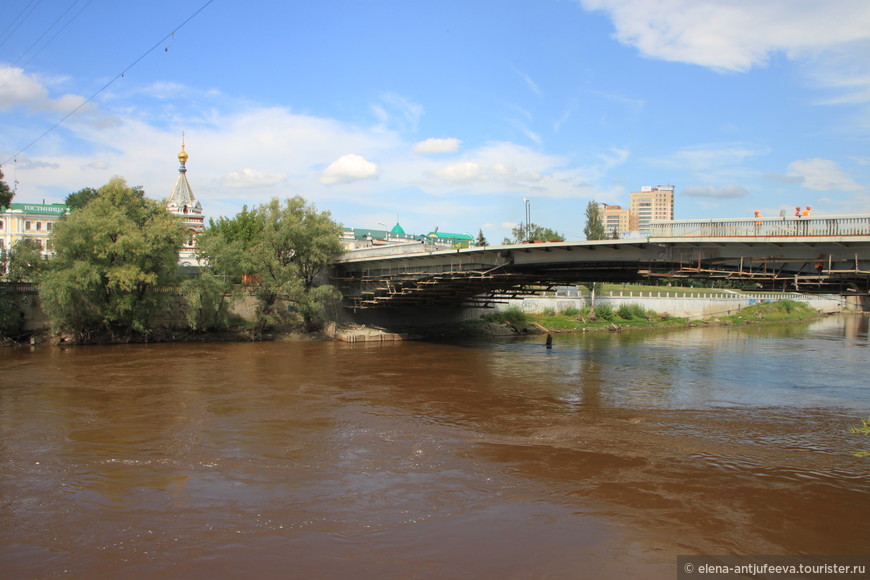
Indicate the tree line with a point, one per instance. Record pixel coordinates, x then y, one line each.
114 275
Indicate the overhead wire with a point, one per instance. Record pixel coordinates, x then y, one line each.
108 84
18 21
43 35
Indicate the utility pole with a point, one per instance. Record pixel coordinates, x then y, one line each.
528 205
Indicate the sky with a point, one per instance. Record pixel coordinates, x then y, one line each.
444 113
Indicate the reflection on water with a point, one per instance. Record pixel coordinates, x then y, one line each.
605 456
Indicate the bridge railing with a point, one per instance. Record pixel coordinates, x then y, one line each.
825 226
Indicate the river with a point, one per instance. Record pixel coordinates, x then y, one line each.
603 457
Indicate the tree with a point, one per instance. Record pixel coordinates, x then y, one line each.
25 260
280 250
533 233
594 229
115 259
481 239
6 194
80 198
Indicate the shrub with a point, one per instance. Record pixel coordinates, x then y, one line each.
513 316
571 311
604 311
631 312
549 312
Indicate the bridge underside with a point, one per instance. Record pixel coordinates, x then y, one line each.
484 277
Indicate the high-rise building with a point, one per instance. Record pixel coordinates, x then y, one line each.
651 204
182 203
616 219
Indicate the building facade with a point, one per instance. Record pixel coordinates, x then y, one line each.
650 204
616 219
182 203
33 221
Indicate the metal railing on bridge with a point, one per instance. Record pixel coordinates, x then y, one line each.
754 227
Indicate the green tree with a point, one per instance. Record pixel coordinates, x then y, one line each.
114 261
80 198
533 233
6 194
594 229
281 250
481 239
25 260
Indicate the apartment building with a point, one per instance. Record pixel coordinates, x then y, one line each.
650 204
616 219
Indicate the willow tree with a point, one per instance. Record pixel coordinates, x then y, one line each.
115 258
280 249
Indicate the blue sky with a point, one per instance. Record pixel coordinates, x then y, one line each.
444 113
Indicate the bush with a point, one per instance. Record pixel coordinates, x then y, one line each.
513 316
604 311
549 312
631 312
572 311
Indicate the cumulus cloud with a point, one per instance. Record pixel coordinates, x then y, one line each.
708 191
250 177
821 175
432 146
463 171
734 36
348 168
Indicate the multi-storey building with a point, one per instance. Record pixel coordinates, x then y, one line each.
616 219
29 221
651 204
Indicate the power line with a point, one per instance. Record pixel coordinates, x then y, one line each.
108 84
18 21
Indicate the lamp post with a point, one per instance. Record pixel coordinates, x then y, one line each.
528 205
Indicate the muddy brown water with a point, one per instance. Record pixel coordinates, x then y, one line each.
603 457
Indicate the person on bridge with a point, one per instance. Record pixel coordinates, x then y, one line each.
807 211
797 212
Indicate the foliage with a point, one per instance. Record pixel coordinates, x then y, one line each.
863 429
81 198
533 233
594 229
513 316
571 311
632 312
481 239
778 311
282 250
10 314
604 311
25 260
115 259
6 194
207 299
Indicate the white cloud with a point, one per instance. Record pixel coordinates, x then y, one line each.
821 175
251 177
348 168
463 171
431 146
708 191
708 156
734 36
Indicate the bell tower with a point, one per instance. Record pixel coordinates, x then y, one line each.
182 203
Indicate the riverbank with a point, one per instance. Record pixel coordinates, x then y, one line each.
514 321
510 322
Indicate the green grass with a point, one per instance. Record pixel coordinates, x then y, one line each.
779 311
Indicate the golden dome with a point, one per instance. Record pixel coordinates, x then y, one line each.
182 157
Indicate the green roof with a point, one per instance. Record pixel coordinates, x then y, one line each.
397 229
448 236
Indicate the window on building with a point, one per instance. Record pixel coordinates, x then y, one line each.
1 224
48 226
38 226
27 226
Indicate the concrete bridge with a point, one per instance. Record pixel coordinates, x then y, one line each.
829 254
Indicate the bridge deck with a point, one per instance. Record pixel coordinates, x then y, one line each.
808 255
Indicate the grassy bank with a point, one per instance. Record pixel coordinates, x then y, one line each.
605 317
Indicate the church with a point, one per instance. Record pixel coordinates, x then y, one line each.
182 203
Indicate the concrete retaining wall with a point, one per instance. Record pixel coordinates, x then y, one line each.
681 304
